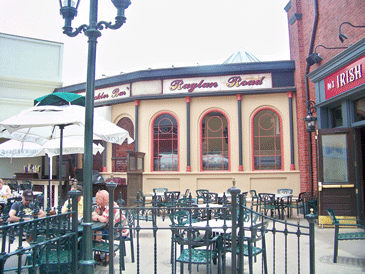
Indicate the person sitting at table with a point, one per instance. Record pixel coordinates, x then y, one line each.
101 214
4 190
80 204
28 208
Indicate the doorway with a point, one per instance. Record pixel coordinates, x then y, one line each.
361 174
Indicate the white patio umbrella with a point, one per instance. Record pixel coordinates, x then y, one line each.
42 123
17 149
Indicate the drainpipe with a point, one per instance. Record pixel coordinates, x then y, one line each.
307 97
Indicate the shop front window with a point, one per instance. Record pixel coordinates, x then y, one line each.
119 154
165 143
360 110
267 148
215 142
337 117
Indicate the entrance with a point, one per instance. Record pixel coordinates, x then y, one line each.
337 173
361 161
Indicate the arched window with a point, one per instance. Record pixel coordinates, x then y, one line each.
267 147
215 142
119 154
165 143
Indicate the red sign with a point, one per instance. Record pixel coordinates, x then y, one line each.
345 78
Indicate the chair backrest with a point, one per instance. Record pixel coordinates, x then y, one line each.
210 197
14 186
285 191
310 196
187 193
253 194
199 192
172 196
267 198
159 189
258 231
193 236
301 197
332 216
26 185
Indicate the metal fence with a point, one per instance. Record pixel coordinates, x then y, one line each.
40 245
229 238
250 242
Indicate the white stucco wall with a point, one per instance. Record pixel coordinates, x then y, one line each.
29 68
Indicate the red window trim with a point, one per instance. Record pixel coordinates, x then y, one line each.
152 142
253 140
201 141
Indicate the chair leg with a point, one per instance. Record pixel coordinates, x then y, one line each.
336 244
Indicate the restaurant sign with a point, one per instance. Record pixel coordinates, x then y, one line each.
220 83
111 93
345 78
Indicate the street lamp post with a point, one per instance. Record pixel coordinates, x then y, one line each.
310 124
68 10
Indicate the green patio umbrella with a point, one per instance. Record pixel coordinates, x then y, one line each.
60 98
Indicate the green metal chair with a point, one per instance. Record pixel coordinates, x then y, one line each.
255 200
197 246
199 193
250 245
159 189
285 191
269 203
297 203
345 223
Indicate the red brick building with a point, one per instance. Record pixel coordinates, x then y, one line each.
314 31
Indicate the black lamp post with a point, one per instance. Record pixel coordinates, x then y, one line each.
68 10
310 124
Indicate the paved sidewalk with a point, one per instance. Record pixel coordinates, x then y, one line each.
351 257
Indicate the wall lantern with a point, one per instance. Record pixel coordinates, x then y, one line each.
342 36
310 120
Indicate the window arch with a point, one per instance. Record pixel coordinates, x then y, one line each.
267 140
214 142
165 143
119 154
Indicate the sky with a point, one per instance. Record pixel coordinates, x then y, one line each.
157 33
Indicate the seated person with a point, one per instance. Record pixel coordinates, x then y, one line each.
4 189
80 205
28 208
101 213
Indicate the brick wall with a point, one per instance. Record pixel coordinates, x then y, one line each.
330 15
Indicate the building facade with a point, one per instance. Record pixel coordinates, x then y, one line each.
203 127
330 73
30 68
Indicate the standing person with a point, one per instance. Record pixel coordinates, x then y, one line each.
4 189
28 208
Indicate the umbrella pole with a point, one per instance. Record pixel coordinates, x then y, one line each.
60 169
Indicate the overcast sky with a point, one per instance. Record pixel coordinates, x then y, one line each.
157 34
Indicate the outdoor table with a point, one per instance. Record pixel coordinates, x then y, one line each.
217 225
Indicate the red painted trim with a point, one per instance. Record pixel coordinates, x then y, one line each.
188 169
292 167
239 97
188 99
178 142
136 102
253 137
201 141
290 94
240 168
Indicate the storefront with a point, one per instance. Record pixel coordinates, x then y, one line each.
340 99
202 127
